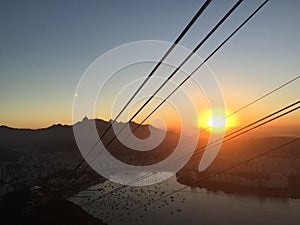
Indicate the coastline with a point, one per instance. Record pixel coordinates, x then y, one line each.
22 208
62 211
81 187
240 189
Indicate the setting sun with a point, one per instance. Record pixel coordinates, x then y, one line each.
216 120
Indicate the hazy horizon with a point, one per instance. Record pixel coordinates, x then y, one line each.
45 49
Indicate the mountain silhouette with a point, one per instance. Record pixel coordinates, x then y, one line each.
56 138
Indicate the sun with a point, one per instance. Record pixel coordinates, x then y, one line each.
216 120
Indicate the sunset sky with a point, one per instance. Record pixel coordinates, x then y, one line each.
45 47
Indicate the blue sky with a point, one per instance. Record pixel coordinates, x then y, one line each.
45 46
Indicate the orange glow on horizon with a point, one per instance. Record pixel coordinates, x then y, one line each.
217 120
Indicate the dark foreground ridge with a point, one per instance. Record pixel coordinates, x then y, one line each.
60 211
16 210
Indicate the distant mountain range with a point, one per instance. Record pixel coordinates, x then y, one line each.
47 155
55 138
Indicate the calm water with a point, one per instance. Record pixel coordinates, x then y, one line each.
190 206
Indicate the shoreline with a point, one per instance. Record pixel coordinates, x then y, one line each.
241 189
62 211
82 187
